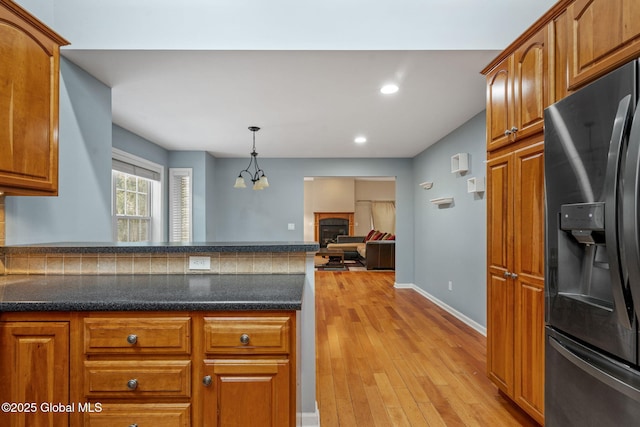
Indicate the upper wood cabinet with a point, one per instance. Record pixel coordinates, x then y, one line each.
29 85
604 35
499 104
518 92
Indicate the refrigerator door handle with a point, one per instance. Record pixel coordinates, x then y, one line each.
598 372
624 310
630 206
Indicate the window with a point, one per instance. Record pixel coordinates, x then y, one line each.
136 198
180 196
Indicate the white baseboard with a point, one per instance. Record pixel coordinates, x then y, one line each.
472 323
309 419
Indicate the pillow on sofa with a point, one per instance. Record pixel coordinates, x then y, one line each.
370 235
378 236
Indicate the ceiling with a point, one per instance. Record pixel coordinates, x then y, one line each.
307 103
195 75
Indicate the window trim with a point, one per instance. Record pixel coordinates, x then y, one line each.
158 228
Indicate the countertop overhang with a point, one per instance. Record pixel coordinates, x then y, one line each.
154 247
151 292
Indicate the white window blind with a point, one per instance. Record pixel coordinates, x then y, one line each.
180 204
135 170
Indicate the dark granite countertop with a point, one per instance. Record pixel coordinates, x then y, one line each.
168 247
151 292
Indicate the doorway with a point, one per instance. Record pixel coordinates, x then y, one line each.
355 197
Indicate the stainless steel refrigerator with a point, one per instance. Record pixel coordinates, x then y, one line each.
592 294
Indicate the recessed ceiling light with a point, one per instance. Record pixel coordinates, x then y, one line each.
389 89
360 140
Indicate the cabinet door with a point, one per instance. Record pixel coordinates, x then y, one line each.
529 281
500 291
246 392
499 104
530 85
34 368
29 81
604 35
559 43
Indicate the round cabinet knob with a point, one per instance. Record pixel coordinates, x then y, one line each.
132 384
244 339
207 380
132 339
507 132
133 425
514 129
514 275
507 274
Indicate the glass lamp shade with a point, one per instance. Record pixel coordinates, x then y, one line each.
240 183
264 181
258 185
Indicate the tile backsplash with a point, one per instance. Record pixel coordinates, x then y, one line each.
153 263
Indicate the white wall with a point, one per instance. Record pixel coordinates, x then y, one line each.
334 194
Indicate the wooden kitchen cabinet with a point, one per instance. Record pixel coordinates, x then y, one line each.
515 283
500 104
29 90
34 370
574 43
133 363
604 34
248 373
165 369
155 415
247 392
518 92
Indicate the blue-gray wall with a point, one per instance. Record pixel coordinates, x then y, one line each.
138 146
82 211
245 214
450 242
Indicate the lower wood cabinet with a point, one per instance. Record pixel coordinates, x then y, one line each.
34 372
152 415
149 368
515 282
248 370
247 392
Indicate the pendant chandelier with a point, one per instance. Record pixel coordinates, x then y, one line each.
255 174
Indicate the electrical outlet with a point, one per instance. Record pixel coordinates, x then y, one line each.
450 285
199 263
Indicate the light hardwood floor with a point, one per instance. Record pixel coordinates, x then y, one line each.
390 357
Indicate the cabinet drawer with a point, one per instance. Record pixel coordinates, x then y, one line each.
137 378
142 415
242 335
137 335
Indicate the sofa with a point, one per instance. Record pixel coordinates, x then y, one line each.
376 250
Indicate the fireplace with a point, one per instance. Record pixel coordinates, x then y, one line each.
328 225
330 228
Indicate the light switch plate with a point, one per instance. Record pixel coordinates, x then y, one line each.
291 226
199 263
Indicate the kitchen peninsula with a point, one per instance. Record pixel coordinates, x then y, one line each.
187 334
